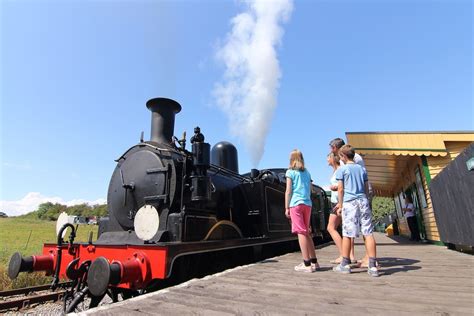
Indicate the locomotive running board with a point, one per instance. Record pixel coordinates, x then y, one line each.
176 250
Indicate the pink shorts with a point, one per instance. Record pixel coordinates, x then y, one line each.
300 215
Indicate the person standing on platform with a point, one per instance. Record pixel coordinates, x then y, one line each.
298 209
334 146
337 143
334 219
409 211
353 189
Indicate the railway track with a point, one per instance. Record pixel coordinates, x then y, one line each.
28 296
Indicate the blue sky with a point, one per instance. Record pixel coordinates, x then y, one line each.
75 76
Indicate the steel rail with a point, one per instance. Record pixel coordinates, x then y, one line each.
27 301
27 290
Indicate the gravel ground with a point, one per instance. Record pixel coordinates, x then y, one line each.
53 308
41 309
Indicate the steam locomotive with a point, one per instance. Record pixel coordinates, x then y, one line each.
165 203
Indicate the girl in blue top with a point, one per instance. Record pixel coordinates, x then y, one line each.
298 209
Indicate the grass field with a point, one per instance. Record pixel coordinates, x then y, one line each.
27 236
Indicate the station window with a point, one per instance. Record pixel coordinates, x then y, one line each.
420 188
401 196
398 206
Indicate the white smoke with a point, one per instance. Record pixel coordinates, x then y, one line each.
248 90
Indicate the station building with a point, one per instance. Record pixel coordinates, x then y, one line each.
401 163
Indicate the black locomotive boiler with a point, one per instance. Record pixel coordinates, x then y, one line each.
166 202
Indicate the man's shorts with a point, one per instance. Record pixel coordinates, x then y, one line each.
300 215
356 214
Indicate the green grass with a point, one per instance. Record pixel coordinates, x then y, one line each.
27 236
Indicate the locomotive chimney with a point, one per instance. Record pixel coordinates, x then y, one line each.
163 111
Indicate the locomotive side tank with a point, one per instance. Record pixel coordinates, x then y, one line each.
166 202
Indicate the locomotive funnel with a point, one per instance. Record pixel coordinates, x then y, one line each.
163 111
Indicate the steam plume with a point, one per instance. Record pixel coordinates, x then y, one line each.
248 90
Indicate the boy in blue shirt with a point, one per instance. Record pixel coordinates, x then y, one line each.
353 203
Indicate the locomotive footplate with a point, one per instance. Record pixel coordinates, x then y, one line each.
133 266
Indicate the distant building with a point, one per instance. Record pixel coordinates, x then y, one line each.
92 220
74 219
3 215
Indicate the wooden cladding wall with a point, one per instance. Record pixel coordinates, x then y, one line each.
437 164
453 200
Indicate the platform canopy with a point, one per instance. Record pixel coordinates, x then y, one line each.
387 153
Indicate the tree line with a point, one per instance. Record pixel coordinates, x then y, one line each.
50 211
381 206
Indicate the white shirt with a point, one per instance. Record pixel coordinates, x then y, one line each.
410 213
333 181
357 159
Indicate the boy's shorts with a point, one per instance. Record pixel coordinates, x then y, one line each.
356 214
300 215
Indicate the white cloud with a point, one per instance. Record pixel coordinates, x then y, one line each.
32 200
248 90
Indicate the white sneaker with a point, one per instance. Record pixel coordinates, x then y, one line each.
314 267
373 272
302 268
342 269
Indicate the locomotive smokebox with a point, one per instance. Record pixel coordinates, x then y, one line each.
163 112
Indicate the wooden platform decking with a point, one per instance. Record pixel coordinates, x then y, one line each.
416 279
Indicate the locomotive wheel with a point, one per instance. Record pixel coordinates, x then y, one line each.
223 230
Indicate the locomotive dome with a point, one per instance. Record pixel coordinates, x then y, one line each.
224 155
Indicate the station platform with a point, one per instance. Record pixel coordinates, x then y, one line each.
416 279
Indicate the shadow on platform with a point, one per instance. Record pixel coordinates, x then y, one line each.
267 261
390 265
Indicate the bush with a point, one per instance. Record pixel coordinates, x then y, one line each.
23 279
382 206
